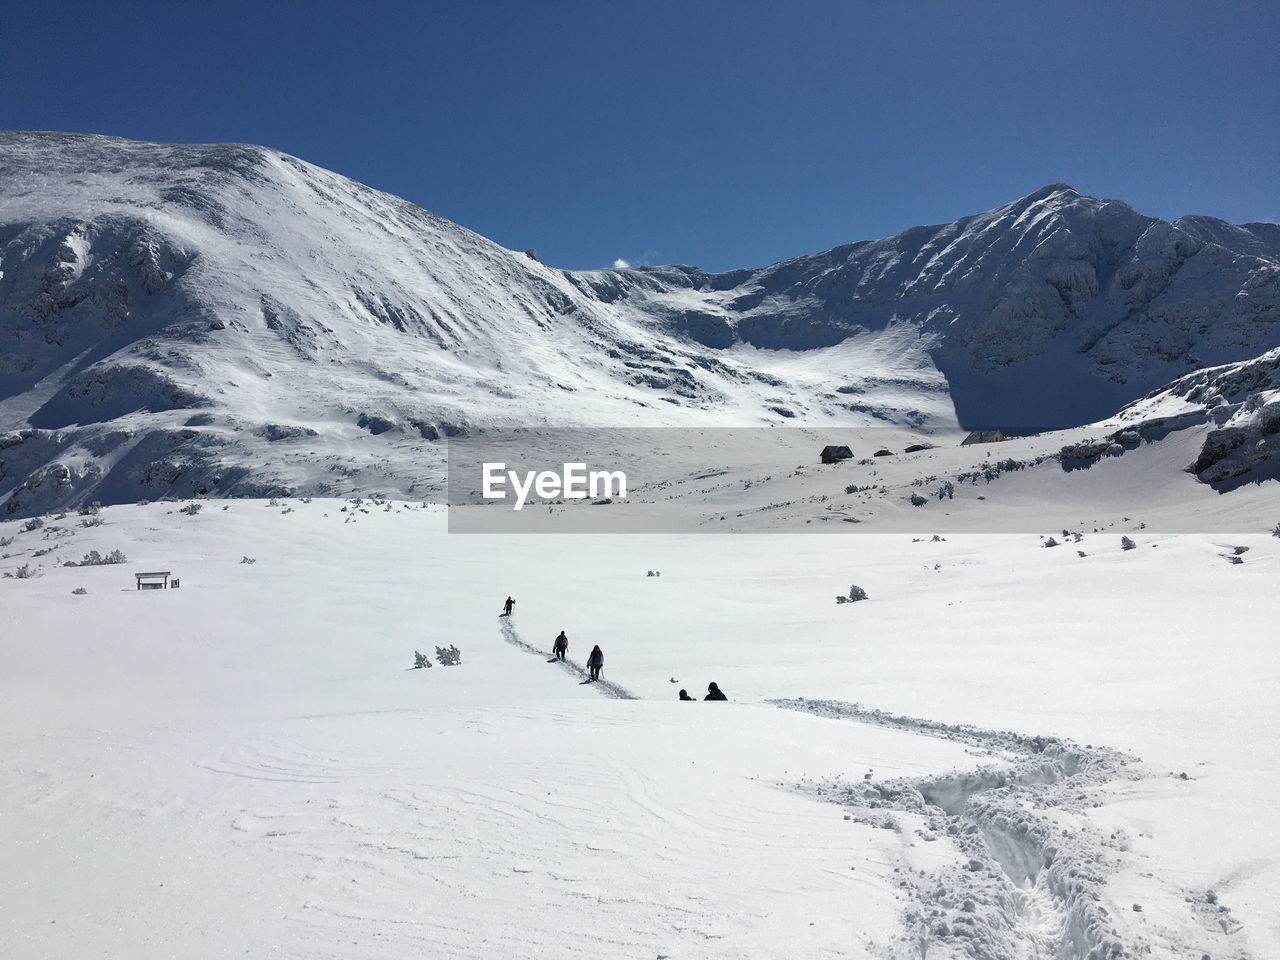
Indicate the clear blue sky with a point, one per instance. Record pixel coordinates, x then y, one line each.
721 134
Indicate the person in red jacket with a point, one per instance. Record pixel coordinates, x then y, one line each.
596 661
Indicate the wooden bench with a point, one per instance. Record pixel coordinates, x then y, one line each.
156 580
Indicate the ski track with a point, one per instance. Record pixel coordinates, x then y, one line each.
609 688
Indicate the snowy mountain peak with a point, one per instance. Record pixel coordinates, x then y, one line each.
225 317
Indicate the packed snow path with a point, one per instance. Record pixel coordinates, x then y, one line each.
608 688
1030 885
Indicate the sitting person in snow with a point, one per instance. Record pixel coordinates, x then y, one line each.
713 692
596 661
560 645
506 607
684 695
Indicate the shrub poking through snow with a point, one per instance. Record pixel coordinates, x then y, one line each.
191 509
5 541
79 591
94 559
856 593
92 510
248 560
917 500
449 656
421 660
1127 544
1275 531
1050 542
93 521
35 523
23 572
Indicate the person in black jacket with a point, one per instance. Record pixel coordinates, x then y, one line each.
684 695
596 661
713 692
560 645
506 607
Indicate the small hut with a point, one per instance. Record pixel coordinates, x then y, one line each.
983 436
833 454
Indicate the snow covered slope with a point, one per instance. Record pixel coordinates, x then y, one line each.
230 320
247 766
1241 402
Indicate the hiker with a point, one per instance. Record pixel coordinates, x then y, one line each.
684 695
560 645
596 661
713 692
506 607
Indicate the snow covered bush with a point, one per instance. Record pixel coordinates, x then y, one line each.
94 559
79 591
35 523
856 593
449 656
1051 542
420 660
1275 531
248 560
917 500
5 541
23 572
93 521
191 509
92 510
1127 544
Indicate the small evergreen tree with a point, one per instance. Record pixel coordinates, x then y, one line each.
420 660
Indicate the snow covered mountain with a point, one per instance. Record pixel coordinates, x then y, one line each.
231 320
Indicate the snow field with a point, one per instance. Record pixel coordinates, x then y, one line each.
248 763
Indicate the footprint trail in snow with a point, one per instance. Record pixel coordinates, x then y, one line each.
606 687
